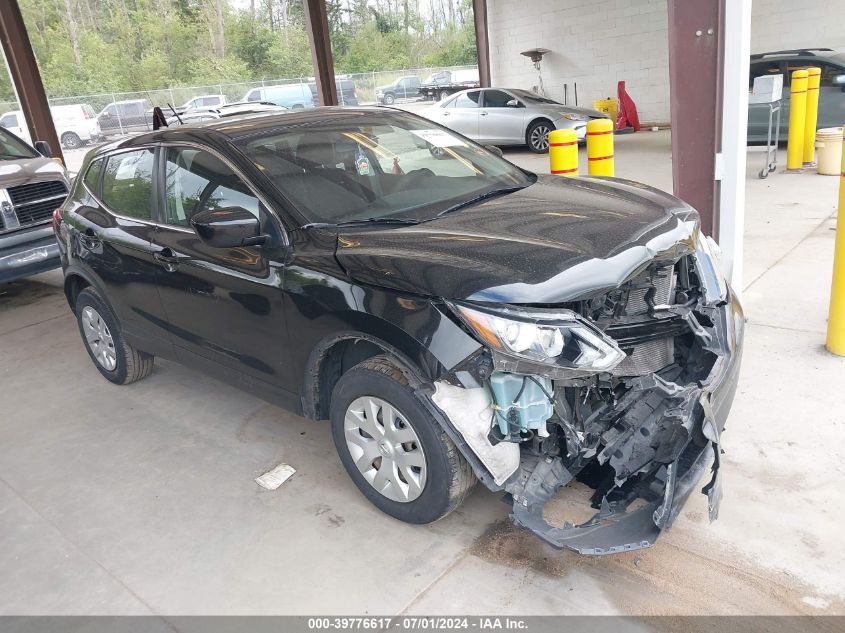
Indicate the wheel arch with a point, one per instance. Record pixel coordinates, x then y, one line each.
335 355
537 119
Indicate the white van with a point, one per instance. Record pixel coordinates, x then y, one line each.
289 95
76 124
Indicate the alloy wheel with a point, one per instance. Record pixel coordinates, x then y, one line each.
98 338
385 448
540 138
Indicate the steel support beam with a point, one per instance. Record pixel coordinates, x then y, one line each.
25 77
317 25
482 42
695 88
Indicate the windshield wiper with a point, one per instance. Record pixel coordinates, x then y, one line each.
483 196
323 225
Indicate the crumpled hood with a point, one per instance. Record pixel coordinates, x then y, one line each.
555 241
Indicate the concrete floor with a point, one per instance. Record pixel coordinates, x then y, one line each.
141 499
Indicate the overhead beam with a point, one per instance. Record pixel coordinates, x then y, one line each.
695 85
482 42
317 25
26 79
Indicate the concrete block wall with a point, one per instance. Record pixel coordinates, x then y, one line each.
593 44
597 43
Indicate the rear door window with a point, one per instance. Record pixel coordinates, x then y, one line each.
92 176
468 100
128 184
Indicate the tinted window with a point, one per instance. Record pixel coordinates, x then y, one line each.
763 68
128 184
11 148
829 71
196 180
468 100
10 120
496 99
92 176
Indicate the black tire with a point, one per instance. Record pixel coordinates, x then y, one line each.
442 95
130 364
534 131
71 140
388 98
449 478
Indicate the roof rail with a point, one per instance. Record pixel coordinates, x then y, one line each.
795 51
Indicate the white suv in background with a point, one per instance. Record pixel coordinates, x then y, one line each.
76 124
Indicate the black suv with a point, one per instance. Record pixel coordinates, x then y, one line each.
456 318
831 87
32 187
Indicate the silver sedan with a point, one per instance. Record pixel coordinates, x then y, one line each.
506 116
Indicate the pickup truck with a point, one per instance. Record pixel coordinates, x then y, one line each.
443 83
32 187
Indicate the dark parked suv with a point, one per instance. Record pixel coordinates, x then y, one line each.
455 318
32 187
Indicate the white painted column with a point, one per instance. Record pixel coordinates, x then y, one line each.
731 165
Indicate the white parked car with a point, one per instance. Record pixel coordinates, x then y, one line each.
76 124
202 102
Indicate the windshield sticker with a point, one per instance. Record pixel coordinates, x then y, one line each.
362 163
439 138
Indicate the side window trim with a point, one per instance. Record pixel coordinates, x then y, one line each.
161 173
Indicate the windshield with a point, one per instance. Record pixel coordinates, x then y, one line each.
13 149
533 97
378 165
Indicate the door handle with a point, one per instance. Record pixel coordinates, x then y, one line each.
168 260
445 114
483 114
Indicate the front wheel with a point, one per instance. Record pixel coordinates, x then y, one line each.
393 449
389 99
537 136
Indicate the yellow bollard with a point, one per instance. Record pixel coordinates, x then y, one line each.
563 152
797 116
814 76
836 318
600 147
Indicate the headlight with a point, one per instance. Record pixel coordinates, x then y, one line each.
561 338
707 259
574 117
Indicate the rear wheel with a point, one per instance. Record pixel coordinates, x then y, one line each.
537 136
442 95
71 140
115 359
393 449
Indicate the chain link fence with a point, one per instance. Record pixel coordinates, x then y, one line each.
123 113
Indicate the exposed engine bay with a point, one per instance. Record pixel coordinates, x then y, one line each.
633 407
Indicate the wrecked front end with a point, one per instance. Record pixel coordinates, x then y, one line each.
625 389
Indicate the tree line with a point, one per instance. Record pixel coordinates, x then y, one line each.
93 46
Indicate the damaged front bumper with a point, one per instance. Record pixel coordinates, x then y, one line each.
654 443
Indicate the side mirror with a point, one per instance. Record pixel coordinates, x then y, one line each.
496 150
228 227
105 115
43 148
839 80
513 103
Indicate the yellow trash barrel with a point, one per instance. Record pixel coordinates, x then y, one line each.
563 152
600 147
